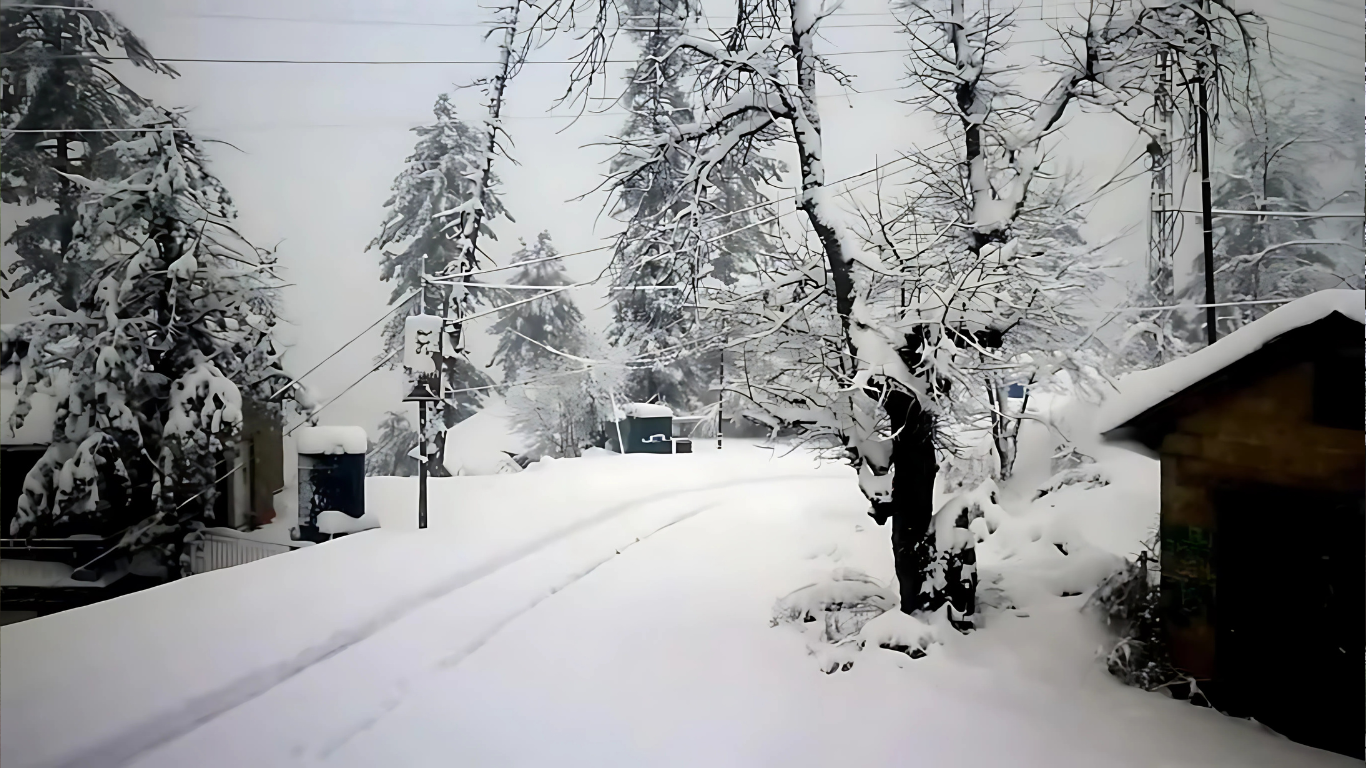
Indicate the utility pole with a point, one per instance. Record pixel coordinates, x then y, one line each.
422 410
1206 203
1161 231
720 395
422 357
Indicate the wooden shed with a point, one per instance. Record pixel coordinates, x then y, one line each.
1263 549
645 428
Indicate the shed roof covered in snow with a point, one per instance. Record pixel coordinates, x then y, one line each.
647 411
1149 390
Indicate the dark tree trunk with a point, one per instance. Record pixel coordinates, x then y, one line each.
912 505
911 508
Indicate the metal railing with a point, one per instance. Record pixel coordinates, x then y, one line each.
214 551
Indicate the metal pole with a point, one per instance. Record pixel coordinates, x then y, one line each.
1207 205
424 456
422 463
1160 223
720 395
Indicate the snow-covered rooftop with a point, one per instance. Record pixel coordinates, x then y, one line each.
330 440
647 411
1142 390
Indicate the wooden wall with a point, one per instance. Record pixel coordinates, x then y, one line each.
1260 434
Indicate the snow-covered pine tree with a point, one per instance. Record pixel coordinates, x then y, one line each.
721 243
56 75
389 455
170 337
528 332
552 392
441 175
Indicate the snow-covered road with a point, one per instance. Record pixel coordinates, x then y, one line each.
605 611
316 713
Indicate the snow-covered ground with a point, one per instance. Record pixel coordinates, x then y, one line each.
614 610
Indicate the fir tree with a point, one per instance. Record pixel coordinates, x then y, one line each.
389 455
56 75
528 332
441 176
721 244
171 335
560 402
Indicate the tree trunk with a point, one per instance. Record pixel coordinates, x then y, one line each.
915 549
912 504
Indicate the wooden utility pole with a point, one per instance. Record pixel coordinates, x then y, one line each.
422 336
423 407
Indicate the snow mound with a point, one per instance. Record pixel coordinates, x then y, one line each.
912 635
485 443
333 522
647 411
1142 390
847 590
313 441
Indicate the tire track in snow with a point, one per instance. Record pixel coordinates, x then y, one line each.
482 639
167 726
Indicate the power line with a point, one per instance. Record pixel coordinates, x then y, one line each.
1278 54
349 387
1315 30
397 306
1206 306
1275 214
379 126
1317 45
403 301
1311 12
430 62
467 25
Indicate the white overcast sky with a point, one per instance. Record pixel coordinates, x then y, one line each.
317 145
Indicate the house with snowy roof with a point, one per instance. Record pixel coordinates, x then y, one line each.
66 568
1263 549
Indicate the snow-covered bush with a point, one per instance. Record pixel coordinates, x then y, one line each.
833 613
1128 600
1085 476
